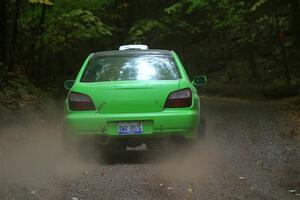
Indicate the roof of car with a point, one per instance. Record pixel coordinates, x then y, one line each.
133 52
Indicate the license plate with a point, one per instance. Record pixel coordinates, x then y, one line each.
130 128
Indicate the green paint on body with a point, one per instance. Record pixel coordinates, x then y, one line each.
134 100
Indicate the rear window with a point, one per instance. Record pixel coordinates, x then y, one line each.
130 67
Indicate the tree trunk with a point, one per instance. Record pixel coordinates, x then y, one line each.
295 20
252 63
283 50
13 46
3 31
41 68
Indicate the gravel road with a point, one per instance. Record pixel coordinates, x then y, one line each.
249 153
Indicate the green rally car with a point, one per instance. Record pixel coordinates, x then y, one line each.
131 96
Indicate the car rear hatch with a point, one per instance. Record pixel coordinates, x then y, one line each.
114 97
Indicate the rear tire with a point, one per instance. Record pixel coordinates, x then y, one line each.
111 152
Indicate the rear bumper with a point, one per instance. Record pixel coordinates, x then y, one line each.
173 122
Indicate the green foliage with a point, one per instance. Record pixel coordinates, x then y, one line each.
17 92
258 4
188 6
175 8
196 5
74 26
234 42
45 2
147 31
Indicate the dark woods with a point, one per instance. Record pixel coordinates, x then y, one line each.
241 43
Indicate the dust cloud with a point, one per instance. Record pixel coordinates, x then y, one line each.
194 164
32 153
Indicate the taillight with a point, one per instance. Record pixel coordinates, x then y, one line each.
179 99
80 102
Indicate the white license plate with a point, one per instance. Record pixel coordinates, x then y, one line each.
130 128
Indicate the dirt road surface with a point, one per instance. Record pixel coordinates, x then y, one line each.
251 152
